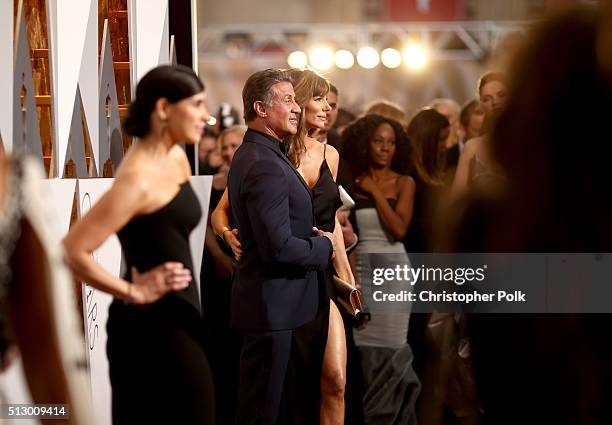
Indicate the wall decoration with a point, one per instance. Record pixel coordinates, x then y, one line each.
111 141
26 130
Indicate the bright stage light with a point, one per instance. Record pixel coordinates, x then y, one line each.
415 57
367 57
344 59
391 58
297 59
322 58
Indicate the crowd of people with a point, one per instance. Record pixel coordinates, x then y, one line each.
269 339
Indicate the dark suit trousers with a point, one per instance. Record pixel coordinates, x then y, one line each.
280 375
263 365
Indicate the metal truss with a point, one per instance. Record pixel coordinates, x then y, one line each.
470 40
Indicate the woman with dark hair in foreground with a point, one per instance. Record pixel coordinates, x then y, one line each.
158 369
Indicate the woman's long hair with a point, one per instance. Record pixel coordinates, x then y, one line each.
307 84
427 156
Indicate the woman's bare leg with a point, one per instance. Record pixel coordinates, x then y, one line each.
333 378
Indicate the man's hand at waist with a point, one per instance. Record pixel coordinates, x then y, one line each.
330 237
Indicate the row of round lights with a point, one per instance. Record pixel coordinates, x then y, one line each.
323 58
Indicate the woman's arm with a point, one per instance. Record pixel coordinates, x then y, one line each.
397 220
219 221
341 262
123 201
223 262
461 181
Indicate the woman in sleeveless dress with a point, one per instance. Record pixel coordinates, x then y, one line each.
378 150
158 369
477 170
318 165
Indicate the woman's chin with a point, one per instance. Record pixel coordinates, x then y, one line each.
315 126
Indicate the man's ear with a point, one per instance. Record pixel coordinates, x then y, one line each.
260 109
161 108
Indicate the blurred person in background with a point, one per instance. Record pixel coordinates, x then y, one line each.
428 132
229 141
471 119
551 142
209 157
223 343
227 116
455 141
379 152
477 169
328 134
387 109
448 394
345 118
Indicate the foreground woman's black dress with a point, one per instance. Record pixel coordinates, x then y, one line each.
158 369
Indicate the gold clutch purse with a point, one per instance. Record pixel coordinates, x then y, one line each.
348 296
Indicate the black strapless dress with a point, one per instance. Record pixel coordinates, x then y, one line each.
158 368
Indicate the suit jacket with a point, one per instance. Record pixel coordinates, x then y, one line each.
275 282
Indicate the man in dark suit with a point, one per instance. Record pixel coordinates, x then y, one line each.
275 288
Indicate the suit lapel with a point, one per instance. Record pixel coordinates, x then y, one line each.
297 173
263 140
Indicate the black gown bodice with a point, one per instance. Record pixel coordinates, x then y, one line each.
325 202
163 235
326 199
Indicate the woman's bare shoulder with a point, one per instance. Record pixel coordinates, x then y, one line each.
133 183
404 182
178 155
474 145
404 179
331 153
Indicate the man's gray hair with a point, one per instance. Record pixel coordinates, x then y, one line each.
258 87
449 103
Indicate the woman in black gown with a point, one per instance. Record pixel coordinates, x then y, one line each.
319 357
158 369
